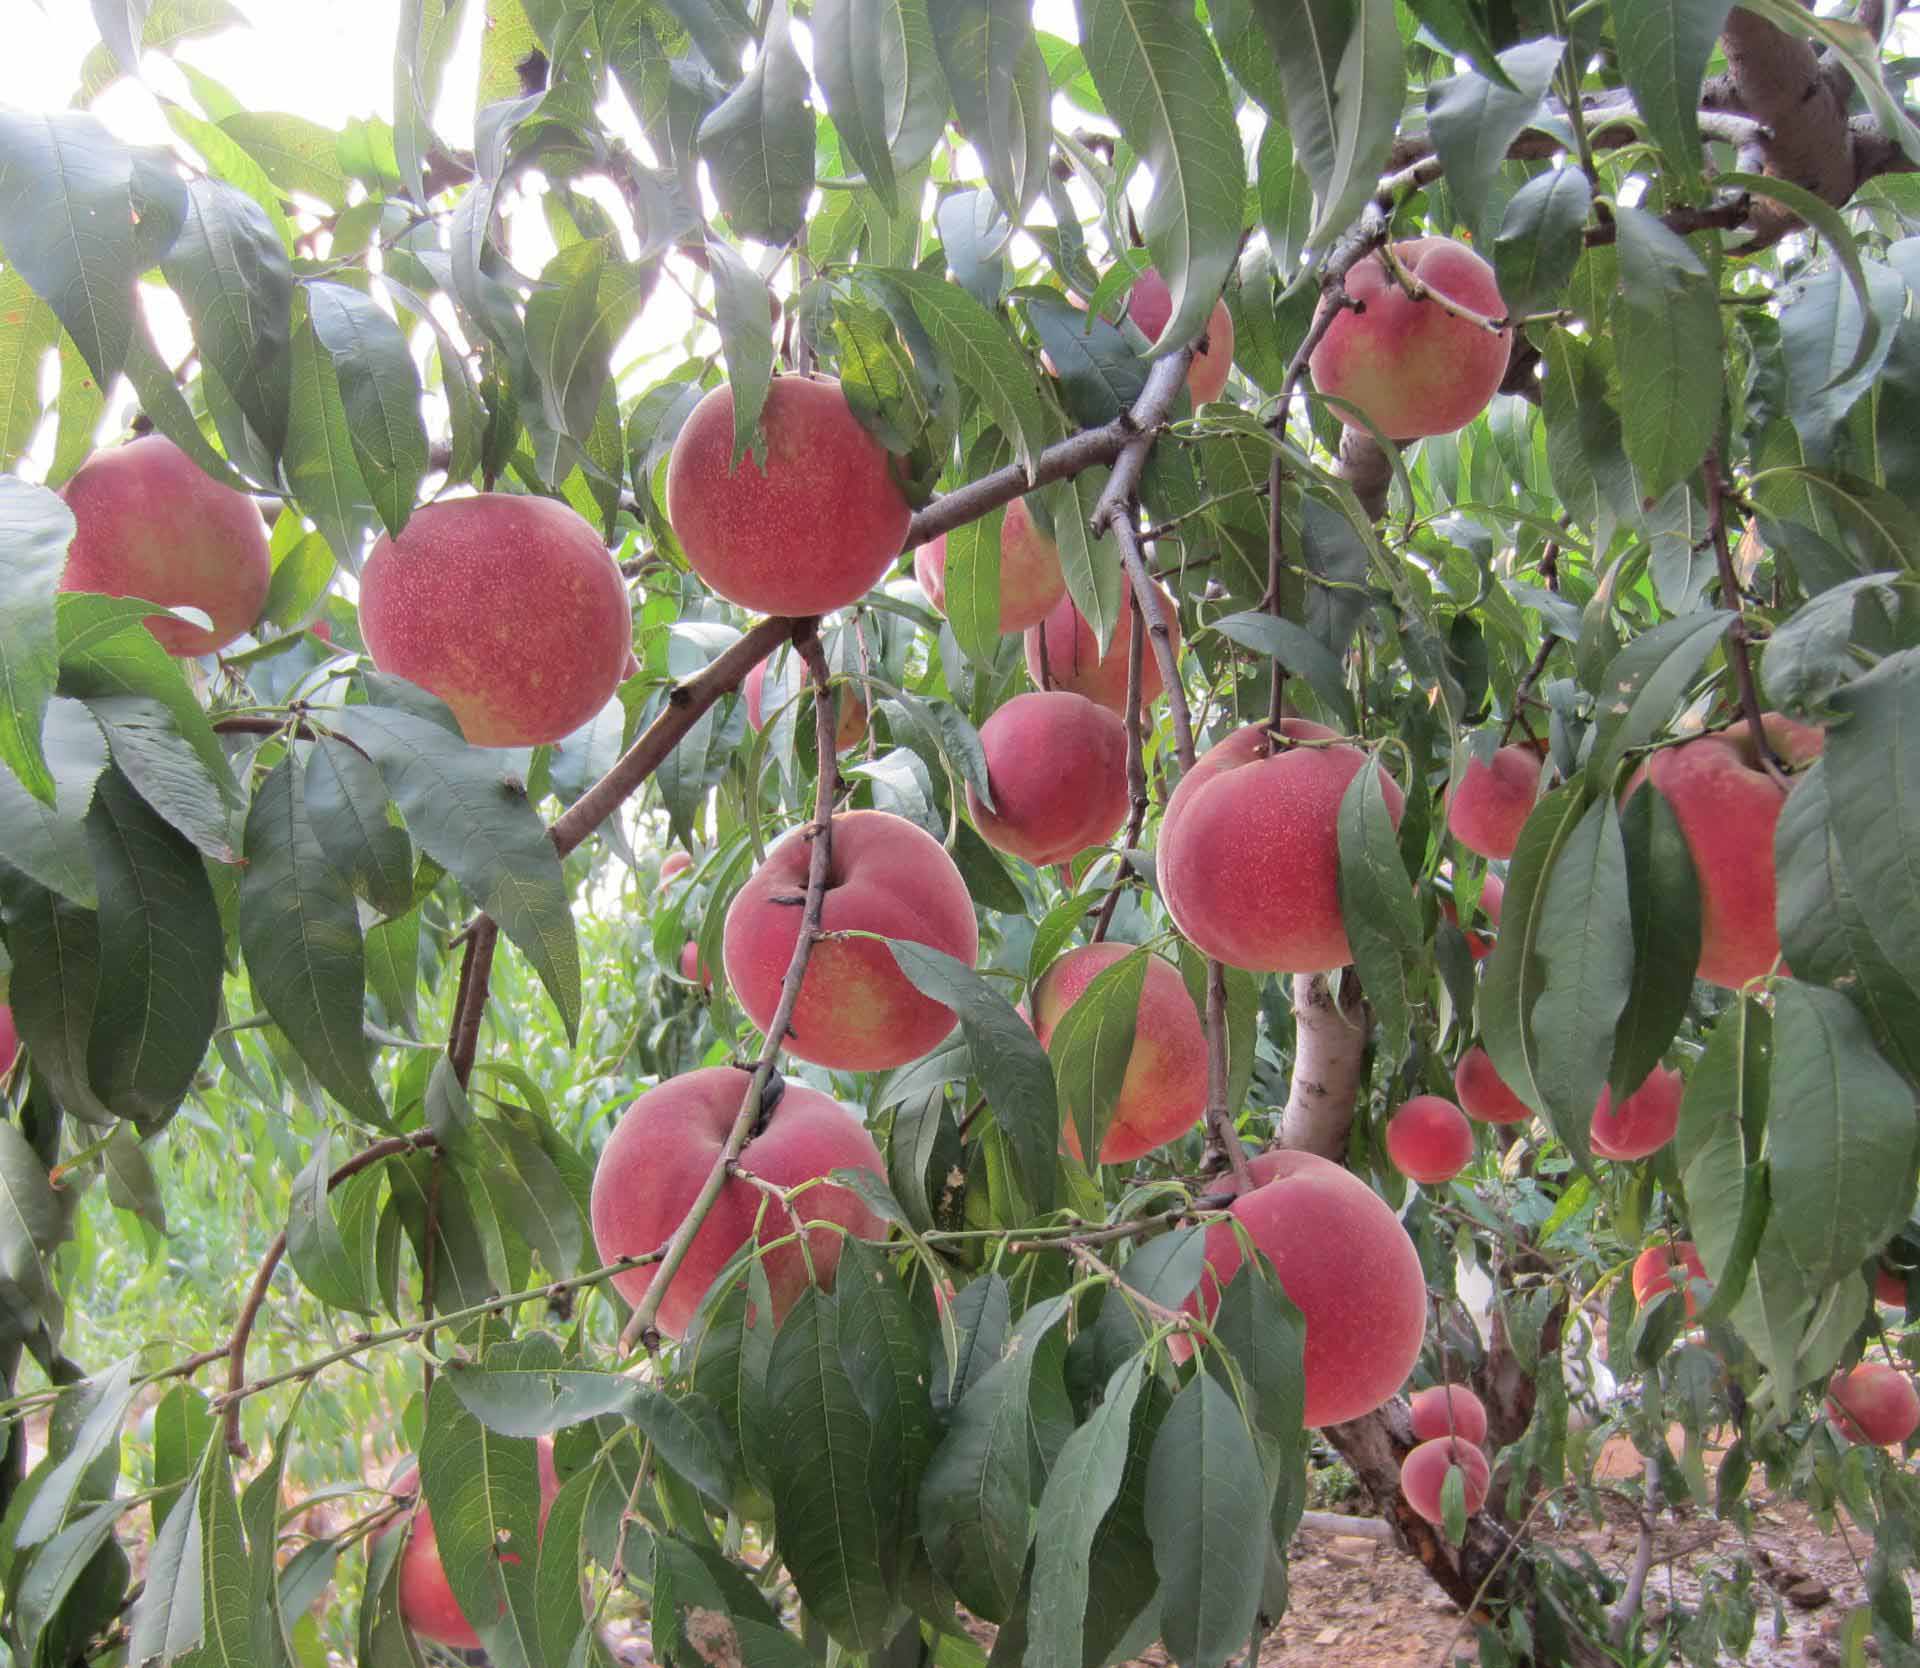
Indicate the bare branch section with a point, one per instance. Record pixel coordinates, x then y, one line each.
640 1328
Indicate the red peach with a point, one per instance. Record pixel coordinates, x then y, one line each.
9 1038
1874 1403
1429 1140
1423 1474
1644 1122
150 523
1075 663
1249 858
850 717
1483 1093
506 606
809 523
692 968
661 1153
1444 1410
1670 1267
1031 582
1889 1283
672 866
1413 367
1493 801
1164 1089
1057 765
1150 305
857 1011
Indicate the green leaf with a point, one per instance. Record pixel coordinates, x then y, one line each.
162 957
1872 765
57 1568
1262 1329
1810 655
96 1409
319 1252
233 279
1099 370
168 769
471 816
1307 39
1092 1047
322 473
758 141
66 225
1835 335
182 1423
1473 121
998 78
33 555
48 843
1096 584
300 935
1369 89
1301 653
1162 84
877 65
346 809
54 1009
1207 1514
28 333
1664 46
740 306
379 394
1667 341
586 299
1080 1491
1644 683
1539 243
1663 903
1378 909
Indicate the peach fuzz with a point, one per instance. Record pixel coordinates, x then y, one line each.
1644 1122
1423 1474
1483 1093
1728 809
1150 305
427 1604
1249 858
1345 1260
1057 766
1413 367
1429 1140
808 523
507 607
1074 661
850 717
1164 1089
1448 1410
150 523
1492 802
857 1011
1671 1267
1031 581
660 1154
1873 1403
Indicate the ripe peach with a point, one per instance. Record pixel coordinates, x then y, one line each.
1150 305
850 717
1164 1090
1249 860
672 867
427 1604
1031 582
1057 764
149 523
1345 1260
1413 367
1668 1267
1493 801
9 1038
1483 1094
1642 1123
660 1154
809 523
1429 1140
507 607
1728 808
1444 1410
1074 661
1423 1474
1889 1283
857 1010
1874 1403
692 968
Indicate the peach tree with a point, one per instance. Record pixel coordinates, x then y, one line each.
1311 601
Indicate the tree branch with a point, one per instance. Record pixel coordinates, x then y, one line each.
1136 768
1146 419
1776 77
1737 654
1329 1054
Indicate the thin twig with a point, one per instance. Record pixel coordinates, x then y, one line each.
1136 767
1221 1134
1737 654
1146 598
1629 1605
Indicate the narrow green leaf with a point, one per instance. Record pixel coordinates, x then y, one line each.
1378 909
167 769
60 941
346 809
1538 244
1667 340
1644 683
1474 120
1664 47
998 78
323 474
379 393
1369 89
1872 764
48 843
1663 903
1092 1047
740 305
758 141
33 555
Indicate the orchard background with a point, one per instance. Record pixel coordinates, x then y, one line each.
325 1014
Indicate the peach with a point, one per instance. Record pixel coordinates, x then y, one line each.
506 606
857 1011
1150 305
1644 1122
1483 1093
673 866
1031 582
1448 1410
9 1038
1874 1403
1413 367
808 523
1164 1090
850 719
1670 1267
692 968
1429 1140
427 1603
1728 808
1423 1474
1057 765
1346 1262
149 523
1889 1283
1249 859
1492 802
664 1147
1075 663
